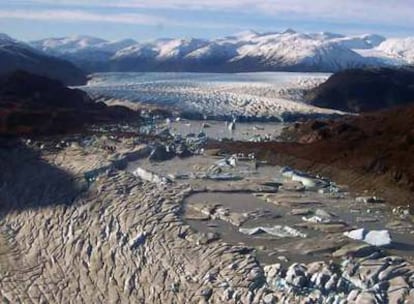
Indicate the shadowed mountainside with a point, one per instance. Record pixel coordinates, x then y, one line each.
32 104
14 57
364 90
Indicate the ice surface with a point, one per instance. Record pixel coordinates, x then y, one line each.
372 237
251 95
278 230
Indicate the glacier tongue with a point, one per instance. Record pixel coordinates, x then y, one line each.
254 96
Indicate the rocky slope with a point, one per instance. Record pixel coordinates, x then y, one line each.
247 51
35 104
369 152
15 55
361 90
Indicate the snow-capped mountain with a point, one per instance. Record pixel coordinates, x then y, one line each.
16 55
295 50
89 53
399 48
246 51
67 44
71 45
359 42
5 38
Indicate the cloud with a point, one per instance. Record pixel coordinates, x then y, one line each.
381 11
226 16
378 11
78 15
121 18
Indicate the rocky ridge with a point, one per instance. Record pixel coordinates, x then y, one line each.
33 104
364 90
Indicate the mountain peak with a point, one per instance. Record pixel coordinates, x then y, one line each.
289 31
5 37
247 33
86 37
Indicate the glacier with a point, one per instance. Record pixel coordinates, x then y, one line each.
248 96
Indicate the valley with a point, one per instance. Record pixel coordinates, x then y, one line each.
194 163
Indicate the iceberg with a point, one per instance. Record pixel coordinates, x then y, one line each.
278 230
372 237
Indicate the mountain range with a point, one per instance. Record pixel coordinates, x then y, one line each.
16 55
247 51
68 59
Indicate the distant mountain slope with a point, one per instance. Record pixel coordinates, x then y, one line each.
16 55
299 52
362 90
67 44
400 48
243 52
90 53
368 41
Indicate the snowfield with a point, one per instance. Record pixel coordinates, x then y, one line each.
255 96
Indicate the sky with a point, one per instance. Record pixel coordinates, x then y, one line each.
151 19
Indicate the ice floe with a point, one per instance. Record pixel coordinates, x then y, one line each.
372 237
278 230
307 180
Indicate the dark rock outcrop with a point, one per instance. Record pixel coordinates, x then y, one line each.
32 104
36 91
364 90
